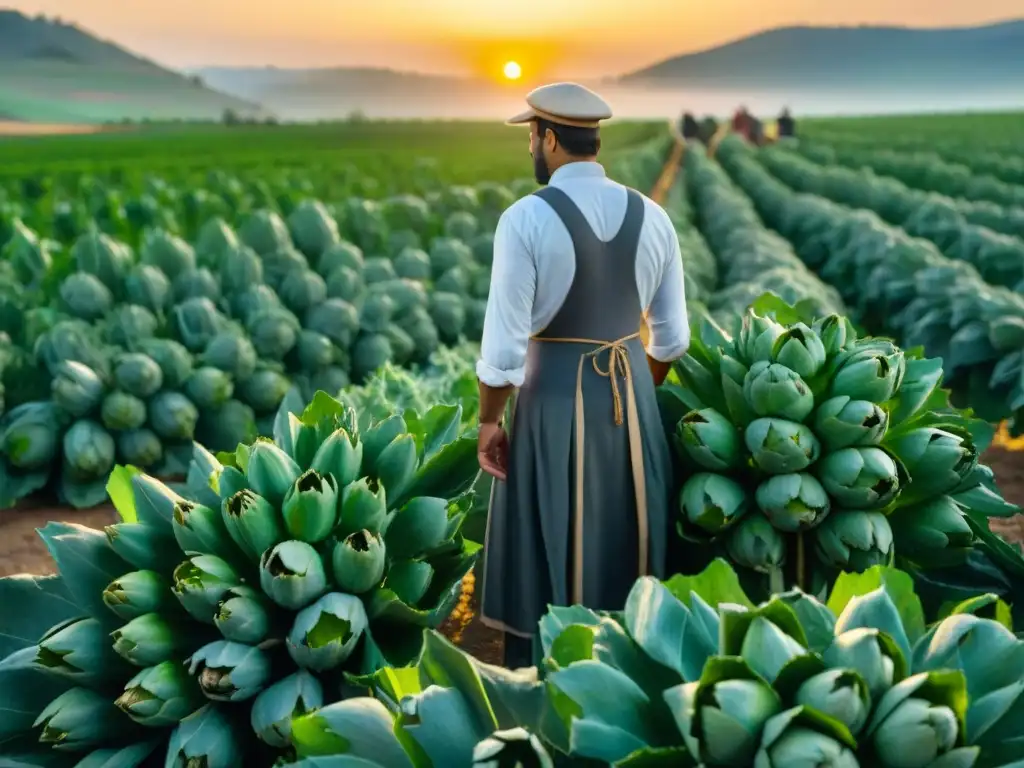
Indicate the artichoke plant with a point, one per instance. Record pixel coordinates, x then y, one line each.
847 447
191 632
693 673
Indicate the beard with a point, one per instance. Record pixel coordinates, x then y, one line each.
541 172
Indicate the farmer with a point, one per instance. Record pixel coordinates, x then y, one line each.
579 507
690 126
787 125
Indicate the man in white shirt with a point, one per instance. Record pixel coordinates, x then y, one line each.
580 501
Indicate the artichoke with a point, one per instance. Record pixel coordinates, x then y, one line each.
229 609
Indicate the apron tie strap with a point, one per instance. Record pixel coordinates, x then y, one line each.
618 359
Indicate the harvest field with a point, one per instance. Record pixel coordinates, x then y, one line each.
849 401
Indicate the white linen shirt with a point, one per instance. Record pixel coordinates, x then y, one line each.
534 264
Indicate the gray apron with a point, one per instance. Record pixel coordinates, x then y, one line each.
584 510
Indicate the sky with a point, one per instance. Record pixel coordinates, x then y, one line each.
549 38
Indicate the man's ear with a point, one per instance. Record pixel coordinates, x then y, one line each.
550 140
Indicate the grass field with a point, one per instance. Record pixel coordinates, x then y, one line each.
467 152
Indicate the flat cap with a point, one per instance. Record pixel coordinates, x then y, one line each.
565 104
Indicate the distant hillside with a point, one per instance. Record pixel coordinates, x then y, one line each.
853 58
52 71
309 94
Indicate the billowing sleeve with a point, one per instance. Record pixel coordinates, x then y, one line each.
509 315
666 317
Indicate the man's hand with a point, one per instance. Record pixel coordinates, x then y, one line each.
492 450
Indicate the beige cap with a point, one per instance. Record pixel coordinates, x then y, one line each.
565 104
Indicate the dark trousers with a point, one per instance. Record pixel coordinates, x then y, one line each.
518 652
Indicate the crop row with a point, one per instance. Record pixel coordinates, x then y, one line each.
899 285
998 258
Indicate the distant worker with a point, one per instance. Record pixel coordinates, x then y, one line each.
708 128
787 125
755 133
691 129
741 123
582 469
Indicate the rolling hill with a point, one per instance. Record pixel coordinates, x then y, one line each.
55 72
853 58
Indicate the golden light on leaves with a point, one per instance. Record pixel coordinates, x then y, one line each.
512 70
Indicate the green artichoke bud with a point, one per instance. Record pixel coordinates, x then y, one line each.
756 338
147 640
201 582
138 374
326 633
872 373
139 448
137 593
205 738
79 650
767 649
148 287
517 747
30 437
933 527
793 502
341 456
358 562
771 389
756 543
209 387
799 349
143 545
797 738
79 719
838 693
121 411
232 353
721 719
85 296
274 708
855 540
936 460
292 574
860 478
709 439
418 527
396 465
781 447
377 438
311 507
410 580
89 450
244 615
252 523
841 422
160 696
713 502
173 416
864 651
271 471
363 507
835 332
910 731
199 529
733 374
264 390
229 671
76 388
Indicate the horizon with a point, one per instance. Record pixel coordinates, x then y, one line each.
398 36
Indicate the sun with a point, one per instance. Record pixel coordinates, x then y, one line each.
512 70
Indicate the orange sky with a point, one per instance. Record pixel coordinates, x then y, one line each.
580 38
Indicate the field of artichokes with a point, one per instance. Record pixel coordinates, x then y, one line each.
194 629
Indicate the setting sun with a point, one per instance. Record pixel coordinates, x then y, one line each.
512 70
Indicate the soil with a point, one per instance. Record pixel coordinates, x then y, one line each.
16 128
22 551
